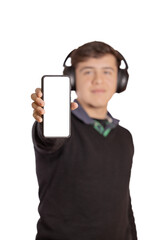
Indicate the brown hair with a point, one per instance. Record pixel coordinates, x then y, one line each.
93 50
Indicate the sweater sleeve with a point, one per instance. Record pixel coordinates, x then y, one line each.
42 144
133 231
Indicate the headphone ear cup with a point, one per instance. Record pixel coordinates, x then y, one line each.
122 80
70 72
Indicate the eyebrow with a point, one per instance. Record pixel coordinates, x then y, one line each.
90 67
108 68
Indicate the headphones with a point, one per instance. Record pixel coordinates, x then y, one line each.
122 78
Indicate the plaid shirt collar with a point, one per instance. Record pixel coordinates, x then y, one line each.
83 116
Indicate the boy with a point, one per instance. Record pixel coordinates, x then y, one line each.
84 179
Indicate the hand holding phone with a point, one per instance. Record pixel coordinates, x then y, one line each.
37 105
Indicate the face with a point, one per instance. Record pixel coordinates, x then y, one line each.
96 81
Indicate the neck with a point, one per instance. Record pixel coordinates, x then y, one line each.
94 112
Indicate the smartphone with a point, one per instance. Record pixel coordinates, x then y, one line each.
56 91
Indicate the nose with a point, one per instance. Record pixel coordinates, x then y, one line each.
97 79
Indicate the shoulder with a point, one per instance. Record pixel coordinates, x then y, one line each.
124 135
124 130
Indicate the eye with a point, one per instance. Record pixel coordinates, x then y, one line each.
107 72
88 72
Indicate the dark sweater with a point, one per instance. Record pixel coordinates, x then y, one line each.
84 184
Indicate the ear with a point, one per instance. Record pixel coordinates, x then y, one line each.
122 80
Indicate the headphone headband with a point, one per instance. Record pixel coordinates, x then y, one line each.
68 56
123 59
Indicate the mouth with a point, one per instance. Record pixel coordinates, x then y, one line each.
98 91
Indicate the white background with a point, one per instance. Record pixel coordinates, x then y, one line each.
35 38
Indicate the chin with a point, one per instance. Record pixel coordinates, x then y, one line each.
95 104
101 102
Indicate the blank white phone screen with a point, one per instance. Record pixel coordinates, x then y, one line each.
56 95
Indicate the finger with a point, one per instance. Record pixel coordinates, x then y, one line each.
38 92
38 109
33 96
74 105
37 100
37 117
34 105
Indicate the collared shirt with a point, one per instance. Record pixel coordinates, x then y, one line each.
110 123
